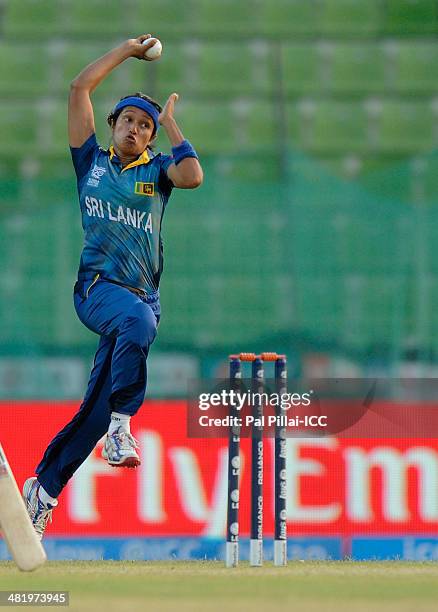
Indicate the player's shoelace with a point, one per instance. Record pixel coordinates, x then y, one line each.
42 516
123 441
39 514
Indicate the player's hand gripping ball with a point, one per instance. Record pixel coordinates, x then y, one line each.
154 51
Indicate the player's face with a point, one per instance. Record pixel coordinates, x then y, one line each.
133 131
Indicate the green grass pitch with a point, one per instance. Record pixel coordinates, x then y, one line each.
208 586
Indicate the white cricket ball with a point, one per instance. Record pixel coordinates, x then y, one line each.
154 51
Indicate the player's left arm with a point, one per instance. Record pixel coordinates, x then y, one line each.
186 172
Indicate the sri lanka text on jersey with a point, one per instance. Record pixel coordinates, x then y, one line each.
120 214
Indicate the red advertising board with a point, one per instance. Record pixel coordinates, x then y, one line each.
335 486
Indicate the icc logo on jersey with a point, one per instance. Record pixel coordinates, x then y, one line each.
96 174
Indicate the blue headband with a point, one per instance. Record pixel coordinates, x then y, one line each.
140 103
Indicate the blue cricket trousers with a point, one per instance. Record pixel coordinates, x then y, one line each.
127 325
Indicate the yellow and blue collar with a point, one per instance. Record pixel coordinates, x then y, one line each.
142 159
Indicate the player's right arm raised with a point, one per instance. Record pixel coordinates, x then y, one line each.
80 109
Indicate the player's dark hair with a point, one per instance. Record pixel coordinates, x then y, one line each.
112 116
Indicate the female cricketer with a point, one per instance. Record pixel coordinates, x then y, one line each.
123 192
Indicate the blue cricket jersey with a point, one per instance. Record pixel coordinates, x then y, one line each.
122 211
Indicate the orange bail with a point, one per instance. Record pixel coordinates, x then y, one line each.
269 356
247 356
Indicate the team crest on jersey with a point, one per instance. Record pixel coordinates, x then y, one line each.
146 189
96 174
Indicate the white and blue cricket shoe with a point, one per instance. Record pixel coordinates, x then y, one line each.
40 513
120 449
